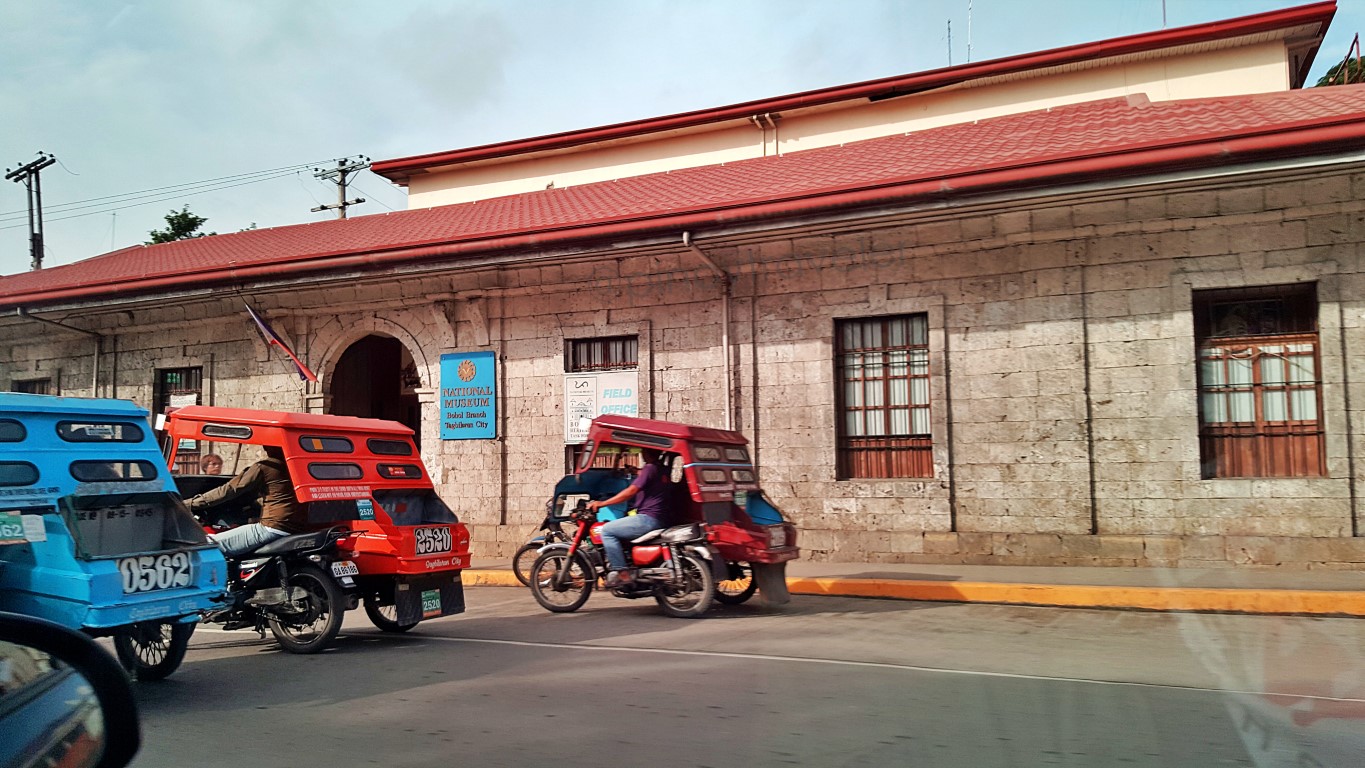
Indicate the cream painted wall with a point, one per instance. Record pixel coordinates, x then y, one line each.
1253 68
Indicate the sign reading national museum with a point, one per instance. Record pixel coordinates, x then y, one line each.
469 402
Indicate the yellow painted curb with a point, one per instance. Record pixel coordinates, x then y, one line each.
1268 601
1283 601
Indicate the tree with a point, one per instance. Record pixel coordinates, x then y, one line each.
180 225
1336 76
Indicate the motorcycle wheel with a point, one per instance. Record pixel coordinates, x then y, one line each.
152 650
739 587
693 596
316 619
385 617
544 575
523 559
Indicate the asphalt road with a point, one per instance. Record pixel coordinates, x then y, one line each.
822 682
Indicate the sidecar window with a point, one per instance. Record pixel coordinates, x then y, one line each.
99 432
12 431
112 471
389 447
706 453
314 444
414 506
14 473
335 471
109 525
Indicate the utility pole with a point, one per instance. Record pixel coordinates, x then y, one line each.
28 173
346 168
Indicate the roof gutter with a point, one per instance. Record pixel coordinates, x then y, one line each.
400 169
1348 132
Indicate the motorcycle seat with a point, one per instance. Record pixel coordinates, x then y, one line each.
292 543
685 532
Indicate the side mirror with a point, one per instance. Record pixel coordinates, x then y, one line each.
63 699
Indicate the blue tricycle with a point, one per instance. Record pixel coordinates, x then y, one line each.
93 534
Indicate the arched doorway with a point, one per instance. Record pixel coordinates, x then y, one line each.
377 378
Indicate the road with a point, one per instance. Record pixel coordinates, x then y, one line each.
822 682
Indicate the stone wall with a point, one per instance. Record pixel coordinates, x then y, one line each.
1062 362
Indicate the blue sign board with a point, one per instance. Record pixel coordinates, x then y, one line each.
469 398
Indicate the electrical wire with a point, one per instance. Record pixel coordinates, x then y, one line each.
371 198
171 196
75 204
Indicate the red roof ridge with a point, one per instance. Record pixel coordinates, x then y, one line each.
400 169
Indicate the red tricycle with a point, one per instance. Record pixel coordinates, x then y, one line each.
716 492
404 548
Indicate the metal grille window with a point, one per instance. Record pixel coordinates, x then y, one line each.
1260 387
606 354
883 397
177 387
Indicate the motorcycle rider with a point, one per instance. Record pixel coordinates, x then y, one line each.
281 513
651 488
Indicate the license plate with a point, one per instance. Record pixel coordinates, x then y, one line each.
344 568
431 603
433 540
777 536
147 573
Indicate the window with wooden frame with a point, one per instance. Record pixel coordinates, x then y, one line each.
1260 386
608 353
882 376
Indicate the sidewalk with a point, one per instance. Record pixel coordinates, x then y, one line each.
1260 591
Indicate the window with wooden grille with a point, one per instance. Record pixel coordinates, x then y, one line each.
882 375
613 353
1260 383
33 386
608 353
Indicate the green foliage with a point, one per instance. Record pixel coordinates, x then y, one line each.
180 225
1344 73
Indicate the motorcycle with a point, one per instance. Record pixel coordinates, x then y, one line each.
295 585
676 566
551 531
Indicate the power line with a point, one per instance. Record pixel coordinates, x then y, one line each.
174 196
220 179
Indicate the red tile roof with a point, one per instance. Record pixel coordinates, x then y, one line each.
1303 28
1097 140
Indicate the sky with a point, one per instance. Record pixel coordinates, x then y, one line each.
227 107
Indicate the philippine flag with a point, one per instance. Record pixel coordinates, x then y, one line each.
273 339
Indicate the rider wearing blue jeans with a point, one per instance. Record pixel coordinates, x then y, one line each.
651 486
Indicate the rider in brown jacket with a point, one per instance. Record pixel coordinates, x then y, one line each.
281 513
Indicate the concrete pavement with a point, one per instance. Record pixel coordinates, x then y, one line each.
1255 591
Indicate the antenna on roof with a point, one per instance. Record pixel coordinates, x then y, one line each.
950 42
969 31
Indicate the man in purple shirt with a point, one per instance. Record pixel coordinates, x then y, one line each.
651 487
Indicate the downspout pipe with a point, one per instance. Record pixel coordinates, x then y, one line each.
725 284
99 340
